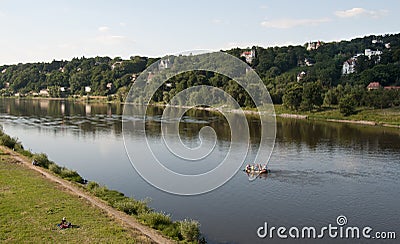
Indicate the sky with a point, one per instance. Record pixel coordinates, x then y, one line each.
41 31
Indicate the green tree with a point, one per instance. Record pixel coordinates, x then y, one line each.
312 95
293 96
347 105
54 91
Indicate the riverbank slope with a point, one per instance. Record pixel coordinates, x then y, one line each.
33 201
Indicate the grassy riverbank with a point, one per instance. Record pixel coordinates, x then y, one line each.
161 224
31 206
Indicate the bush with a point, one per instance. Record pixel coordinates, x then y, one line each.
173 230
156 220
190 230
92 185
24 152
55 168
107 195
42 160
71 175
8 141
131 206
347 105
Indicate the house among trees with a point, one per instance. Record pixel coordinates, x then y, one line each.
373 86
349 66
249 55
44 92
313 45
150 76
164 64
109 85
300 76
375 41
369 53
133 77
308 62
115 65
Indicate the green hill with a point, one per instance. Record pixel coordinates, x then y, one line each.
302 77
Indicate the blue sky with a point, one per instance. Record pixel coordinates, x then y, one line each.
38 30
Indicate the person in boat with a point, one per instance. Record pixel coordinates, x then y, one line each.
248 167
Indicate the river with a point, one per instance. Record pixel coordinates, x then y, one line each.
320 170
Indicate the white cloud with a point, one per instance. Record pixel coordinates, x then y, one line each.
354 12
117 37
263 7
122 24
290 23
217 21
104 28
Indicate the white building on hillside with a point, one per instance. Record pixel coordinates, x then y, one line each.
313 45
369 53
249 55
349 66
164 64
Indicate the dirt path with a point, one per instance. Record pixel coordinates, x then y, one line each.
127 220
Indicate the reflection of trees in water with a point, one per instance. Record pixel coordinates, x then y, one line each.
332 135
87 117
97 117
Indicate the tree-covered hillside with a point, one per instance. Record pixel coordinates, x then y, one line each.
301 77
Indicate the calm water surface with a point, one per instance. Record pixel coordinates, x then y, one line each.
319 170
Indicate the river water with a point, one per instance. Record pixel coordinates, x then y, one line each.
319 170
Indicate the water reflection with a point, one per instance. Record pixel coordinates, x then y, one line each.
92 118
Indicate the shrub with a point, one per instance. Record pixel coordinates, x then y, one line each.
42 160
156 220
71 175
8 141
107 195
347 105
92 185
55 168
190 230
24 152
173 230
131 206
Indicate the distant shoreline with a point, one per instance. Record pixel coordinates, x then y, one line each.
279 113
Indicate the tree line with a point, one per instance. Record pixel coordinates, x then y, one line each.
299 78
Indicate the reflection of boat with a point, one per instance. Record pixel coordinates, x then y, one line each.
257 172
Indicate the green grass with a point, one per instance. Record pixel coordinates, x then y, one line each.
381 116
31 206
131 206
